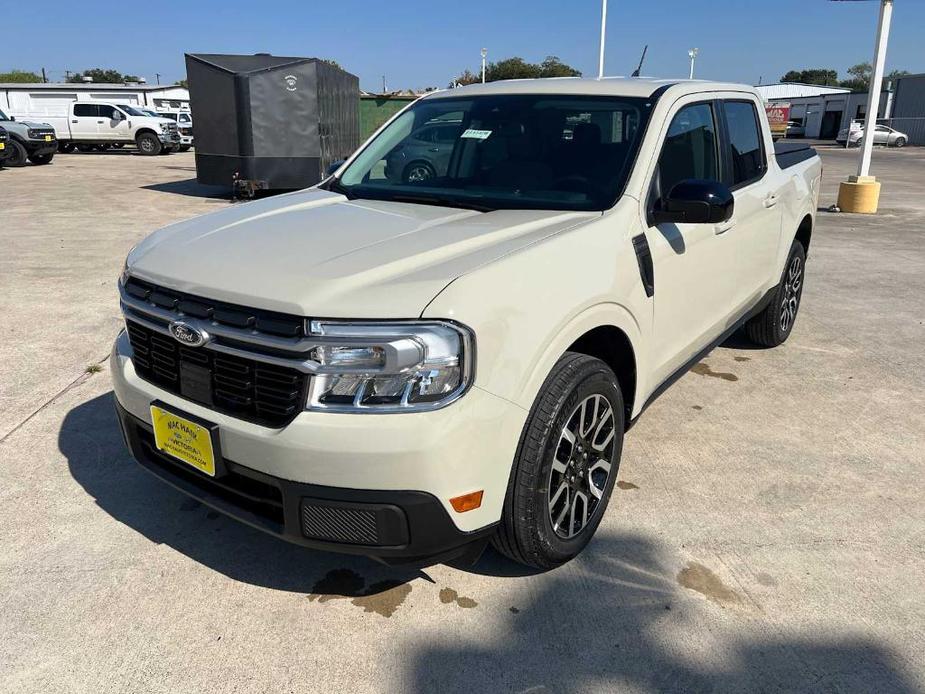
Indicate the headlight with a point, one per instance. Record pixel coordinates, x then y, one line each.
390 367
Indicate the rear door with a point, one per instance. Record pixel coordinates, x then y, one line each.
84 121
694 264
756 223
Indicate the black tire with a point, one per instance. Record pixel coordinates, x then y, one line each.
900 142
65 147
418 171
84 148
148 144
185 148
774 324
18 155
527 533
118 145
42 159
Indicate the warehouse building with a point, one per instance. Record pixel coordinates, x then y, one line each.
908 114
36 101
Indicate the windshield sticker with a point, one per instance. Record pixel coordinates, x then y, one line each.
474 134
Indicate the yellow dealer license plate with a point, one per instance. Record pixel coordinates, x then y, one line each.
184 439
48 138
2 146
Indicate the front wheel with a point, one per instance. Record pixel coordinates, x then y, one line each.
774 324
17 156
42 159
148 144
565 466
900 142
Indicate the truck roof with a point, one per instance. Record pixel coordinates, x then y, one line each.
605 86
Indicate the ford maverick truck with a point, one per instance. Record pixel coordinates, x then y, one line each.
411 366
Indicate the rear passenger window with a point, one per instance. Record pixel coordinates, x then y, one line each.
85 110
690 148
745 139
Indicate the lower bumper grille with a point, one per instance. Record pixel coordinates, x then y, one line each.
332 524
245 388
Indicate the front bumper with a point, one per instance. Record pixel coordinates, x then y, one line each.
39 147
410 464
169 138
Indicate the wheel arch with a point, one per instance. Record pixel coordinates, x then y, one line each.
612 346
805 232
144 131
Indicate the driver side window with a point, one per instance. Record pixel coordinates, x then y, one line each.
690 148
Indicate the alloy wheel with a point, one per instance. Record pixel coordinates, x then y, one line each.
581 466
791 301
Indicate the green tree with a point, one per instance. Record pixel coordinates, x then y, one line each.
517 68
100 75
182 83
19 76
823 76
895 74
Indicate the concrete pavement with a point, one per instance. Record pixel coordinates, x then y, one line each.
768 532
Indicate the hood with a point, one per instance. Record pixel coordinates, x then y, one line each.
33 124
315 253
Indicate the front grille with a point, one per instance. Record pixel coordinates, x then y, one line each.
232 315
252 390
334 524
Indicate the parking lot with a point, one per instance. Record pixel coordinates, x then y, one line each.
766 533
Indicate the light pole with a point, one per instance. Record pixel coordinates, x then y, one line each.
861 193
484 54
692 54
600 62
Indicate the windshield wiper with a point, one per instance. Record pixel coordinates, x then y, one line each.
442 202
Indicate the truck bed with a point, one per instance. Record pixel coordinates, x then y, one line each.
791 153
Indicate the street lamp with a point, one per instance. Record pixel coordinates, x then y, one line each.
692 54
861 193
484 54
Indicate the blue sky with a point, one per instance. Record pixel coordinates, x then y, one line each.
418 44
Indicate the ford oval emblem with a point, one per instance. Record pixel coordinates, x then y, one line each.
186 334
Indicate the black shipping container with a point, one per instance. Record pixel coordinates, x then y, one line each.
265 122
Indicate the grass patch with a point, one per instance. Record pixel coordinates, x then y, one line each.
93 369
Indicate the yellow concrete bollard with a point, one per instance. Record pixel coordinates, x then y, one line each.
859 194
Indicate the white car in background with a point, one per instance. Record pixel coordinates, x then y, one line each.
883 135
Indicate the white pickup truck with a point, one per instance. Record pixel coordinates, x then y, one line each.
95 124
409 367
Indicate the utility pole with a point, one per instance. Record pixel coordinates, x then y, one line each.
861 193
157 76
484 54
383 84
692 54
67 75
44 78
600 62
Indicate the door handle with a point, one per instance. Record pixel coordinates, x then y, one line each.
723 227
770 201
100 122
73 121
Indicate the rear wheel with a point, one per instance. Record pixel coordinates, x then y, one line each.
185 148
65 147
148 144
774 324
17 156
42 159
418 171
565 466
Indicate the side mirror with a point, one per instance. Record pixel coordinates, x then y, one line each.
12 118
695 201
334 166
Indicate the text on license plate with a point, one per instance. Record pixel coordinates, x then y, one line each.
183 439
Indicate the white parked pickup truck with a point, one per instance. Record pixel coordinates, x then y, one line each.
102 123
411 367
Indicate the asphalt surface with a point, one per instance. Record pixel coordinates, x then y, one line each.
767 533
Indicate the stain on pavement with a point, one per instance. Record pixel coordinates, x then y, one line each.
699 578
703 369
383 597
448 595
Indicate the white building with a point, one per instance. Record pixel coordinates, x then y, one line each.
785 91
36 101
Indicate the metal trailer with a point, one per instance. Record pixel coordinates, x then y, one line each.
267 122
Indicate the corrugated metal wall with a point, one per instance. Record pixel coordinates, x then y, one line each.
909 108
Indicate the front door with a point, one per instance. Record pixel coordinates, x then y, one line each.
113 125
694 264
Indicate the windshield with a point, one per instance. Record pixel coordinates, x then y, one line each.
132 111
537 151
